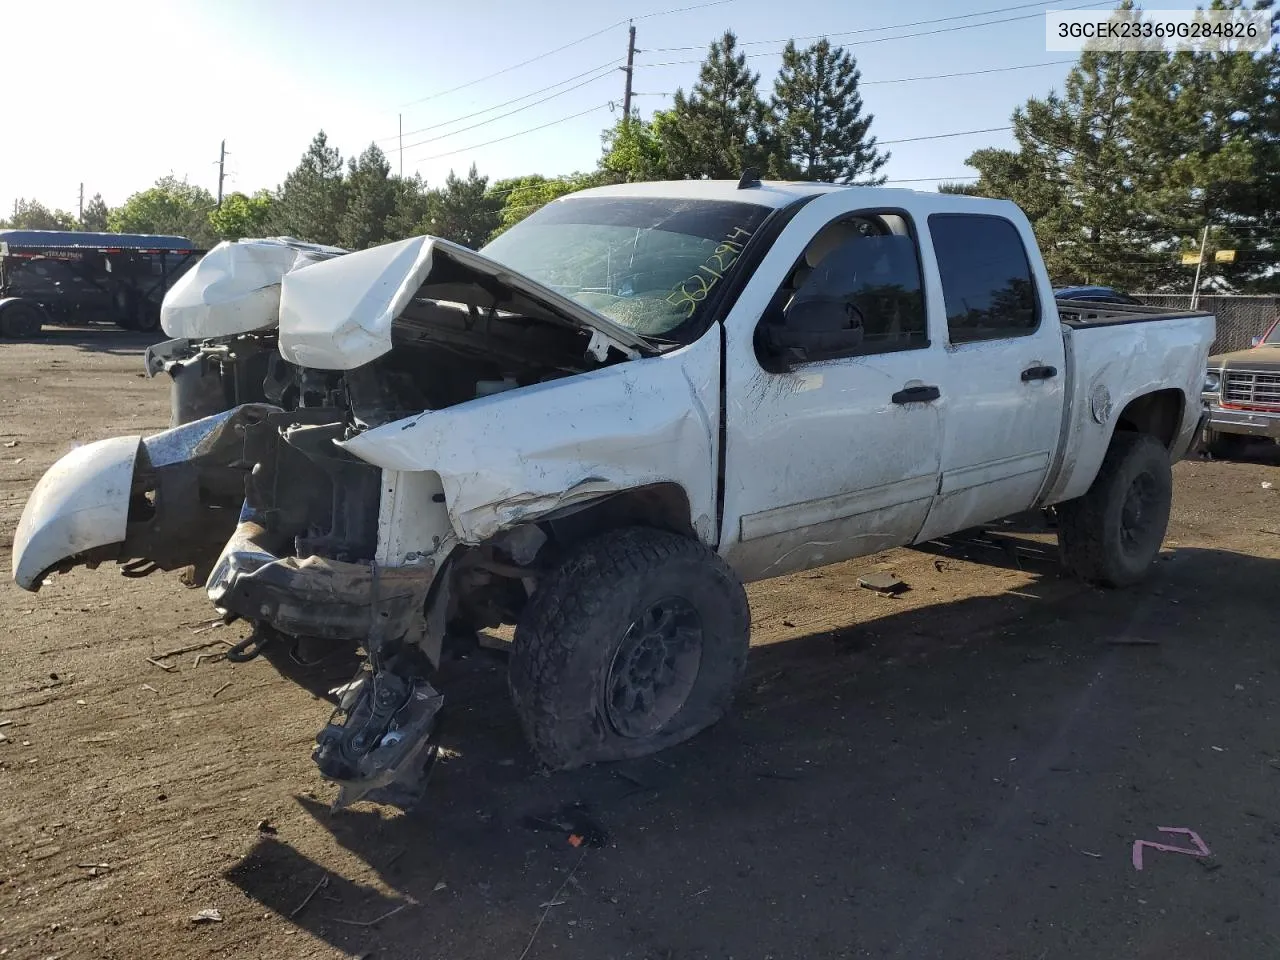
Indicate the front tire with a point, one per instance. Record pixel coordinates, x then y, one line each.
633 644
1112 535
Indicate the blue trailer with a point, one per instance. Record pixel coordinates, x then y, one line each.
70 277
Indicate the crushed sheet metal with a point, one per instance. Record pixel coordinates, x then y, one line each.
235 288
81 503
338 315
511 457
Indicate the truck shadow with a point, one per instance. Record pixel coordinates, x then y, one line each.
864 767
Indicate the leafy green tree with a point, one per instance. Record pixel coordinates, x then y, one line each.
172 206
312 200
522 196
633 150
462 211
371 200
720 128
96 215
818 121
243 216
34 215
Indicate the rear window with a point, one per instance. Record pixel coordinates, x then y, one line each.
986 277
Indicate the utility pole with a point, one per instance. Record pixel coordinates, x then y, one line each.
222 170
82 201
400 117
629 70
1195 290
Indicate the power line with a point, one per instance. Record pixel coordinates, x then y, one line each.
967 73
891 26
942 136
503 116
504 103
512 136
563 47
901 36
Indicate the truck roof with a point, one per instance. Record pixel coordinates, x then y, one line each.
778 193
27 240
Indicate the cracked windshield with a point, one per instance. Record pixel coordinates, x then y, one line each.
647 264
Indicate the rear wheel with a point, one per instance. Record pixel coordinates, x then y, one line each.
1112 534
634 643
21 320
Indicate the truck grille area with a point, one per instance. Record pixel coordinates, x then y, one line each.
1251 389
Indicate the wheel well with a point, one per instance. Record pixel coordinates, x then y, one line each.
1158 413
663 506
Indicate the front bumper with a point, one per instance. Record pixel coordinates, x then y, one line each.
1252 423
316 596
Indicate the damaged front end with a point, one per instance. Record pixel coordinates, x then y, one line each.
263 490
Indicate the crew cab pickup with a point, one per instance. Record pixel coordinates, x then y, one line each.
603 424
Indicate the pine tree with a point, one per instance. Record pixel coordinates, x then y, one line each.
312 199
410 206
463 211
818 121
720 128
95 215
371 200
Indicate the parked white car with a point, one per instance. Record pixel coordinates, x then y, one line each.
603 424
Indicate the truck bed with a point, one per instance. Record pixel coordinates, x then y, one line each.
1085 314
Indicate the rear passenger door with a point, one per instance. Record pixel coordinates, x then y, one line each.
1002 374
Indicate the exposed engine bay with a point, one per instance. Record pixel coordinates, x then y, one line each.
252 488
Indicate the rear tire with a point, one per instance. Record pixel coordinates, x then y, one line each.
21 321
1112 535
633 644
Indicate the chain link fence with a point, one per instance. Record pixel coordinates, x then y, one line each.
1240 318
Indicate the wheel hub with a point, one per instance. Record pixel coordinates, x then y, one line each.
654 668
1136 513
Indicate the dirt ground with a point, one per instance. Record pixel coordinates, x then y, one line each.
958 772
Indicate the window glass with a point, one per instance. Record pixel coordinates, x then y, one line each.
868 283
986 277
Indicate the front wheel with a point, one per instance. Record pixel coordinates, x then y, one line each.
634 643
1112 534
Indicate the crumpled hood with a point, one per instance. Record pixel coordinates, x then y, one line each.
337 315
235 288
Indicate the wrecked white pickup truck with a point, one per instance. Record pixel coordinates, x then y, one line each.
601 425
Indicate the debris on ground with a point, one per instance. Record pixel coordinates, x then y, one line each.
166 667
1267 484
324 882
11 443
221 688
267 827
574 822
208 915
884 583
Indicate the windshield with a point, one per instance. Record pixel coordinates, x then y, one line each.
1273 335
649 264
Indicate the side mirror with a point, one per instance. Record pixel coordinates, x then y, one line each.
1255 341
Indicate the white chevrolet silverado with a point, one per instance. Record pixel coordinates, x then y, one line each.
603 424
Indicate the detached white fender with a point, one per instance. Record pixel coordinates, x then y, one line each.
511 457
82 502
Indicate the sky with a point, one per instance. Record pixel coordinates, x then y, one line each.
144 89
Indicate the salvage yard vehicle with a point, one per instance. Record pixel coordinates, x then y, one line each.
603 424
68 276
1242 392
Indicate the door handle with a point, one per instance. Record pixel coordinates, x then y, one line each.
1038 373
916 395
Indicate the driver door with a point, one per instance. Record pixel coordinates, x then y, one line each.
834 418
